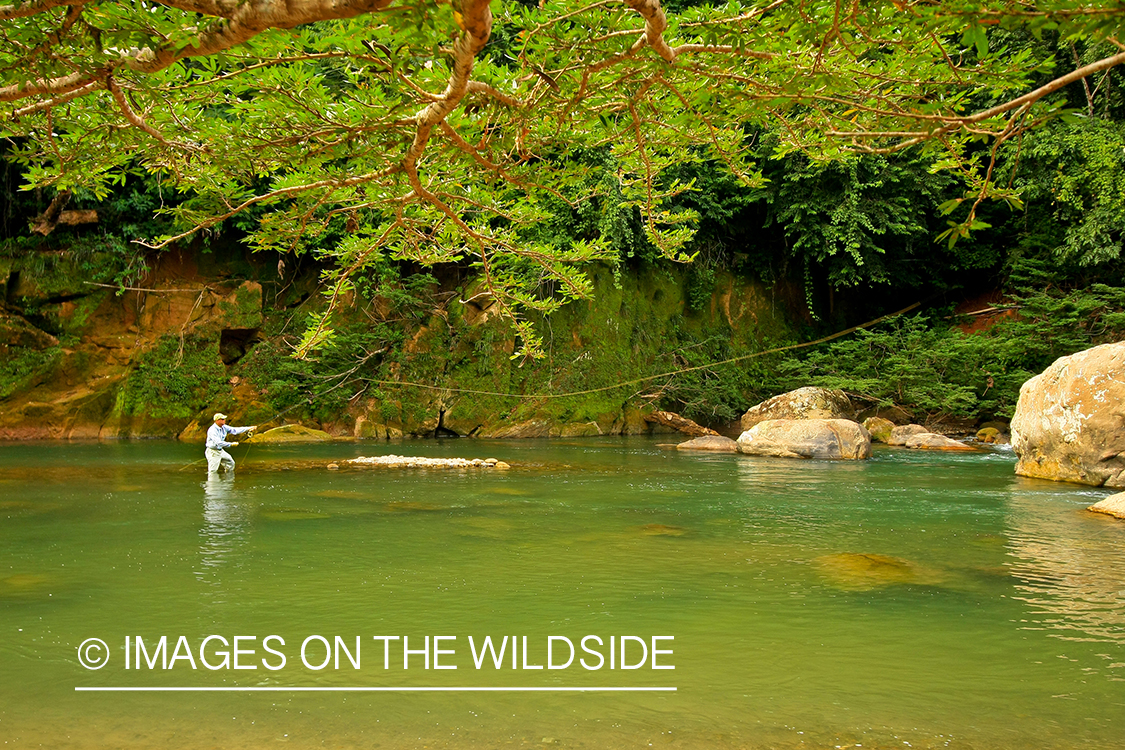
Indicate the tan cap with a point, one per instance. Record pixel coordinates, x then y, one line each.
218 416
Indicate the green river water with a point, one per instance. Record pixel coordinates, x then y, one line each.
915 600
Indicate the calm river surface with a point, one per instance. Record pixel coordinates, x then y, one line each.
915 600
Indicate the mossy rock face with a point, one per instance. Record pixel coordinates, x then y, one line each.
56 274
879 428
991 435
583 429
17 332
242 308
532 428
368 429
290 433
141 425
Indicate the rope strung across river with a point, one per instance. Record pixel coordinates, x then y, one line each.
647 378
308 401
407 384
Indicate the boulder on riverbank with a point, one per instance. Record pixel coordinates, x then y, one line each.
992 435
1114 505
804 403
290 433
1068 421
807 438
879 428
712 443
931 441
900 434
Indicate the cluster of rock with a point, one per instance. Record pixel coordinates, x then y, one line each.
807 438
817 423
1069 425
421 462
911 436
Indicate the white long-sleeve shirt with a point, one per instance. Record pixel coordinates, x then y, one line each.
216 435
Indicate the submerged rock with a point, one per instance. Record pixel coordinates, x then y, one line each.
660 529
1067 425
902 432
413 506
1114 505
292 514
859 571
24 581
807 438
714 443
291 433
931 441
809 402
26 586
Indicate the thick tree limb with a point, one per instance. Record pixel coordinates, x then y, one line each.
956 123
33 8
241 24
681 424
656 23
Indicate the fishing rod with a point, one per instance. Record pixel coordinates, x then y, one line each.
304 402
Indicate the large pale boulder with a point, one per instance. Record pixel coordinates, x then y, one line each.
1114 505
807 438
1069 423
804 403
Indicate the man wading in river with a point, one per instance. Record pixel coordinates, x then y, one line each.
217 433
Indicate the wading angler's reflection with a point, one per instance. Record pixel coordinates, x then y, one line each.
226 521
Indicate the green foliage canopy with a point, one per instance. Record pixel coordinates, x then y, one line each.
452 132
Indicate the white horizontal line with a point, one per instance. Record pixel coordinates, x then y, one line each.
469 689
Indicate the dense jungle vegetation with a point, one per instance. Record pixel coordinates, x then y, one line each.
840 238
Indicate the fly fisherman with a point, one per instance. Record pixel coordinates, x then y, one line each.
217 433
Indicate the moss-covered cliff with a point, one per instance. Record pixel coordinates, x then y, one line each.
205 332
